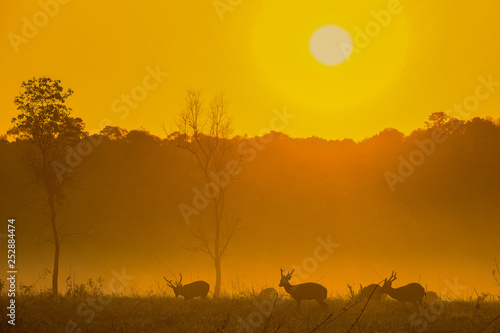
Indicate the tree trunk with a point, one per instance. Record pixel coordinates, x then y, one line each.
55 272
217 256
217 276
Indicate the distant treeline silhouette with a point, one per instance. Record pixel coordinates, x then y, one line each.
132 183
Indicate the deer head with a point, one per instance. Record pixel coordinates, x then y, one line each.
285 278
177 287
388 283
412 292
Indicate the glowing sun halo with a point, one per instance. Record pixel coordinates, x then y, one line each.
330 45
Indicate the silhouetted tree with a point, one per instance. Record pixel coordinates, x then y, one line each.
205 134
113 132
496 274
443 121
45 123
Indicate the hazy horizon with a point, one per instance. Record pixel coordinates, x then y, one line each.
429 256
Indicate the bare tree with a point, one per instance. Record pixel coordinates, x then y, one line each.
46 125
205 133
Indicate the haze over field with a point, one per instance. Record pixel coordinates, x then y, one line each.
440 223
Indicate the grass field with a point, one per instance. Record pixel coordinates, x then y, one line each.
90 313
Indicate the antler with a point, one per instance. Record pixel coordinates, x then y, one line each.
169 282
393 277
288 275
180 281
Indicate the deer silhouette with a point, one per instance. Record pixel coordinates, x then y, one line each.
268 293
190 290
430 296
371 289
304 291
413 292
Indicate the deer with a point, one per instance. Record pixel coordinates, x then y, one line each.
413 292
430 296
372 290
190 290
268 293
304 291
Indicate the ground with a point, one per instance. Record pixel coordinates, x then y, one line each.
90 313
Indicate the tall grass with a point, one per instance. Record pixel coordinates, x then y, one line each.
84 307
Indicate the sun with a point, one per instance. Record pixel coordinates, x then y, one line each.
331 45
323 58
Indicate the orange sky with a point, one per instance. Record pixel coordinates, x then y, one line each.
426 59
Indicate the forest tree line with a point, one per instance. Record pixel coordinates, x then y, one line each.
333 187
